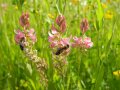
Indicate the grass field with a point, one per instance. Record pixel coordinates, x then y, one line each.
98 68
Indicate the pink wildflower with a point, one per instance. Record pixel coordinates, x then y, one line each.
77 41
54 30
84 25
53 34
88 43
19 35
53 44
64 42
24 20
61 22
32 35
82 42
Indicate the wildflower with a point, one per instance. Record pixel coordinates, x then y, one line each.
116 73
32 35
24 38
19 35
84 25
64 42
77 41
54 30
51 16
53 35
53 44
24 20
61 22
63 46
75 2
87 42
84 43
108 15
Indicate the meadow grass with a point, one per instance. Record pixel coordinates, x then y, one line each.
91 70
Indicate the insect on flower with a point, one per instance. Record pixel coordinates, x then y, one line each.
21 43
61 49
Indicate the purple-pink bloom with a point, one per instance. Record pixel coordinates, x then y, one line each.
53 35
63 27
60 19
87 42
31 34
24 20
54 30
82 42
64 42
18 36
77 41
61 22
53 44
84 25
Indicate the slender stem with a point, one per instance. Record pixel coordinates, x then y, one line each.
64 7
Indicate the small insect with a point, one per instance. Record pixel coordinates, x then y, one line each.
60 50
21 44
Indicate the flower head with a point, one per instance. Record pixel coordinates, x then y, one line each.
84 25
87 42
82 42
19 35
61 22
117 74
24 20
64 42
32 35
108 15
53 35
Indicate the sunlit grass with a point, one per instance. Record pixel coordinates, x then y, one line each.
96 69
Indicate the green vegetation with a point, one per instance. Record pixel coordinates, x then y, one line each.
96 69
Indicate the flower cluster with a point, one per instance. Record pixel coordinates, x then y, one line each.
55 36
83 42
59 45
30 34
24 20
25 39
56 41
84 25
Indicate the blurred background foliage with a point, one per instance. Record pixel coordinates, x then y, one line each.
96 69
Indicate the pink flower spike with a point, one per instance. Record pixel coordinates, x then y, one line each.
65 41
63 27
53 44
77 41
84 25
88 43
50 38
60 19
24 20
19 35
75 38
54 30
32 35
61 22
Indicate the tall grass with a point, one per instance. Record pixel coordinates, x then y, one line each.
91 70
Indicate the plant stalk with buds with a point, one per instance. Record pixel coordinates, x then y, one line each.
26 39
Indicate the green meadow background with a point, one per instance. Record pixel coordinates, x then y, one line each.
95 69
